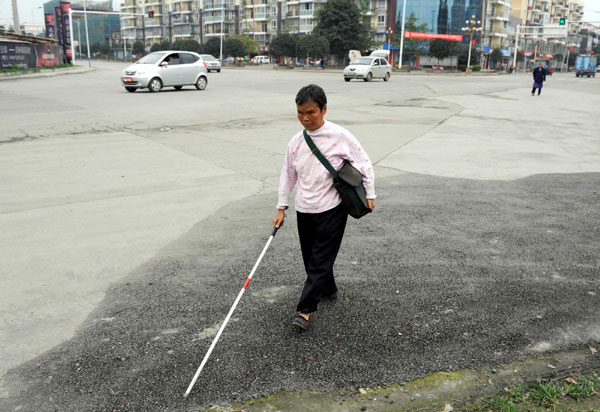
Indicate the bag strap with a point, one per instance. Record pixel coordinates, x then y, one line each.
319 155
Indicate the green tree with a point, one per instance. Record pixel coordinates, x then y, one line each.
496 56
105 49
283 45
138 47
234 47
250 46
165 45
95 48
187 45
339 21
213 46
2 29
312 45
156 47
440 49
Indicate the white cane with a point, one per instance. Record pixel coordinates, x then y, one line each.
239 296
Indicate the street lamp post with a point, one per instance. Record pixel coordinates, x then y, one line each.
402 36
472 29
389 32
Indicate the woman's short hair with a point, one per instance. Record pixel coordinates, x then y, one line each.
312 93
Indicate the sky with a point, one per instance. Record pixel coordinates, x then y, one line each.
31 11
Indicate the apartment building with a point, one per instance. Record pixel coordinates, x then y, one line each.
496 16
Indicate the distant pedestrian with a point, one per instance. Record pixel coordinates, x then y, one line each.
539 77
320 213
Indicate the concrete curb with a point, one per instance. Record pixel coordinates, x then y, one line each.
46 73
432 392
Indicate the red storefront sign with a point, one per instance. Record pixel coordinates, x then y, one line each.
527 53
432 36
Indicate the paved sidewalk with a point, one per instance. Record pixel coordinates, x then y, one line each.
76 69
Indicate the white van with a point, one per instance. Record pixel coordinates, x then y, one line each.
260 60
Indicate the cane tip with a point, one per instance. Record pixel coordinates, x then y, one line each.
185 395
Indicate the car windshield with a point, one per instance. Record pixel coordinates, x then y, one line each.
152 58
208 57
364 60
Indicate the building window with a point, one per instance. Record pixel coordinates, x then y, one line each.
273 25
381 20
381 4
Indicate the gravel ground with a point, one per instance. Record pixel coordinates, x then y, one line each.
446 274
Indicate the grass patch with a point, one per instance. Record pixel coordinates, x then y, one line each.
17 69
555 395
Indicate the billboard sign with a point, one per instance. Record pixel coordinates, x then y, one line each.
59 32
432 36
49 19
64 8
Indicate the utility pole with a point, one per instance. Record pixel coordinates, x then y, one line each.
144 31
87 34
16 17
222 20
170 28
402 36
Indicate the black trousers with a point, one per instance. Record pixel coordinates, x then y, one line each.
320 239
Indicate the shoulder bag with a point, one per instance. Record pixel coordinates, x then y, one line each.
347 181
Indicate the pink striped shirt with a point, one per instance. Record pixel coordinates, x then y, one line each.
315 192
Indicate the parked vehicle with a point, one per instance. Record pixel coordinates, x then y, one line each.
211 63
586 66
260 60
166 68
368 68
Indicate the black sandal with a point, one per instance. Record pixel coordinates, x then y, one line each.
300 322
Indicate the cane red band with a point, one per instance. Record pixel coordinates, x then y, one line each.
246 284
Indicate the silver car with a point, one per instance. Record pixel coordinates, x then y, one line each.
211 63
368 68
166 68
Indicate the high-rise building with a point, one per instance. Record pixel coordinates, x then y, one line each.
100 27
443 17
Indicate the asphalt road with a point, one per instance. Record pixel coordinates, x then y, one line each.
483 248
469 273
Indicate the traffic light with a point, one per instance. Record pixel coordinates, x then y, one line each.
151 14
562 21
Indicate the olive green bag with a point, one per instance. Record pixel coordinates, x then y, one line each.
347 181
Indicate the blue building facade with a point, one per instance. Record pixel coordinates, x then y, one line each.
441 16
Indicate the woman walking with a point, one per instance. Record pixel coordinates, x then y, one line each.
539 77
320 213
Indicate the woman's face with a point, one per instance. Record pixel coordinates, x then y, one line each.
311 116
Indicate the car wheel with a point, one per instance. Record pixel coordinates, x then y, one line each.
369 77
177 87
201 83
346 79
218 70
131 89
155 85
386 77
